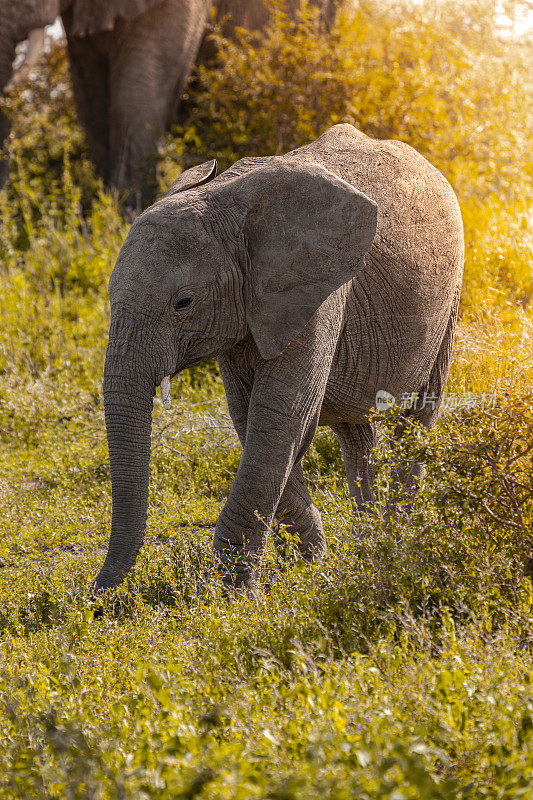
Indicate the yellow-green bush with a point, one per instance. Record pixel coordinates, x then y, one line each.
434 75
45 132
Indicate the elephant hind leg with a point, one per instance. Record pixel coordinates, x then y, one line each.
297 511
408 474
356 443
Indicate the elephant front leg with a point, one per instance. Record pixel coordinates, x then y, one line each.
297 511
282 419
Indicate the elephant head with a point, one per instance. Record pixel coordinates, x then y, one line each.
254 254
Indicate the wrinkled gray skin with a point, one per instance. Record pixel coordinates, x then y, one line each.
271 256
129 62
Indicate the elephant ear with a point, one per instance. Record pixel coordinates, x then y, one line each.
93 16
307 232
195 176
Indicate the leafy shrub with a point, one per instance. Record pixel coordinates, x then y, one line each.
439 77
45 133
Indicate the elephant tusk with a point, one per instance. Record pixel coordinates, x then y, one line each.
165 392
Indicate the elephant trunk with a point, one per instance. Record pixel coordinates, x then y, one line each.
128 399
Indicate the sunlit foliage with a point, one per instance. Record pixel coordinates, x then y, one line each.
437 75
443 77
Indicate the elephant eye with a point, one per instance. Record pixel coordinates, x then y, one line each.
181 302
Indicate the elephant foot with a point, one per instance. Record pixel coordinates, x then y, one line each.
236 569
302 537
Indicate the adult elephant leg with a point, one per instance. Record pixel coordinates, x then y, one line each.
154 56
4 133
137 119
356 443
7 54
297 511
89 69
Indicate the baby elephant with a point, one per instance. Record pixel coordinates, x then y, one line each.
318 279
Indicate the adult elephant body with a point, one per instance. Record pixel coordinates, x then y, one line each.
264 268
129 62
127 81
